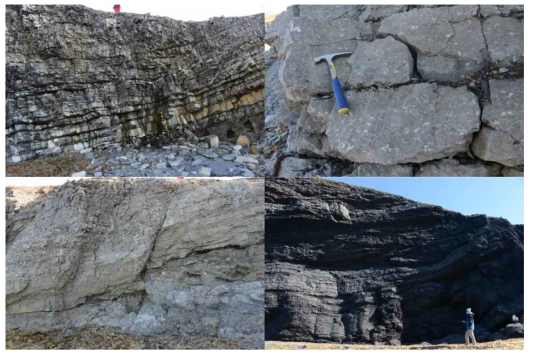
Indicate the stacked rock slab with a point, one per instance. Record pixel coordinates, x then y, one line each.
151 257
79 78
424 84
350 264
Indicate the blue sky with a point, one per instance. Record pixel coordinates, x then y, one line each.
499 197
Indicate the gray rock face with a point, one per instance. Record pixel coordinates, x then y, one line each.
505 39
379 170
450 35
375 13
454 168
415 49
297 167
513 171
501 139
382 62
142 255
414 123
80 78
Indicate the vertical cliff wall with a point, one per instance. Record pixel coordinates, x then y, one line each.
350 264
79 78
152 257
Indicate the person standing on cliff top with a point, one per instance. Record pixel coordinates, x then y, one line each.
469 321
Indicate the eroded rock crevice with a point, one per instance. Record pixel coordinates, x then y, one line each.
152 258
419 85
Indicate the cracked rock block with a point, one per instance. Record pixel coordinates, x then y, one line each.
148 256
383 62
448 40
373 13
379 170
517 171
454 168
413 123
501 138
311 32
387 270
79 78
276 31
505 39
297 167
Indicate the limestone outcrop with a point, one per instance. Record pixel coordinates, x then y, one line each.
355 265
77 78
423 83
152 257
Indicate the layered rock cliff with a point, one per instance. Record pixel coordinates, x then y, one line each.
350 264
432 90
77 78
152 257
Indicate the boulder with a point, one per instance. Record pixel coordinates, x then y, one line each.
513 330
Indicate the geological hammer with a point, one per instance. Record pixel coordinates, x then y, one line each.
342 106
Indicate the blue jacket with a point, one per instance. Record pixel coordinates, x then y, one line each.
469 321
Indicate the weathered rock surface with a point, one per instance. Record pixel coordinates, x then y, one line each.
350 264
505 39
502 138
398 53
379 170
455 168
79 78
445 34
513 171
383 62
413 123
148 256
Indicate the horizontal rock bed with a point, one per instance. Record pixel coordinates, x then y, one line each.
80 79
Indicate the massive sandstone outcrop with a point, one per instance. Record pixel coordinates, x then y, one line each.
153 257
77 78
424 84
350 264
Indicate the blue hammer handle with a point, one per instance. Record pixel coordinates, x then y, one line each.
342 105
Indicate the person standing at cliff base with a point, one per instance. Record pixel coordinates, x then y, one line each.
469 321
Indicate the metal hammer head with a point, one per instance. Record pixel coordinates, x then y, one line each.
329 57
